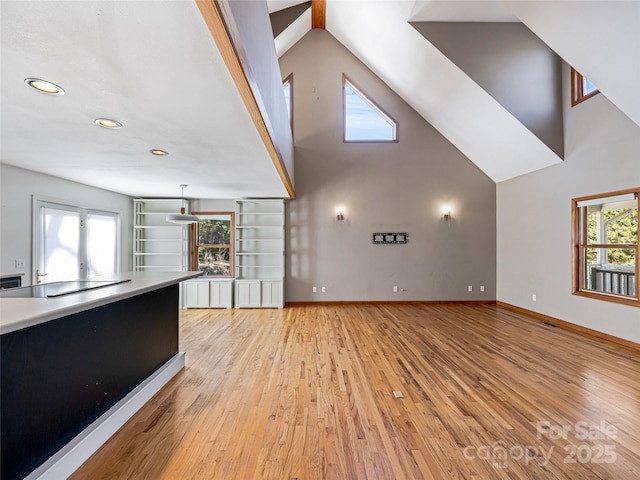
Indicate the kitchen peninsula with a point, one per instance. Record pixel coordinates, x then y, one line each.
76 366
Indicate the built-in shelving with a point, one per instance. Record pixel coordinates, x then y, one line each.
157 244
259 253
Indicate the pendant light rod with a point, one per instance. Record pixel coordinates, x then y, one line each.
182 217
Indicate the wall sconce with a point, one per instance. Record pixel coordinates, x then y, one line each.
446 212
340 216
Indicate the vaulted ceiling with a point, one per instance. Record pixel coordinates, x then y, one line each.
427 51
162 70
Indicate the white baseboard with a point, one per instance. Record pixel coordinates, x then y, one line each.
64 462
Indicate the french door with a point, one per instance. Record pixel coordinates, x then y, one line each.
73 243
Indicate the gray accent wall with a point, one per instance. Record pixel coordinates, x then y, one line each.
512 65
281 19
534 217
381 187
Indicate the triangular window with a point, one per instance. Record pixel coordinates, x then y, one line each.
581 88
364 121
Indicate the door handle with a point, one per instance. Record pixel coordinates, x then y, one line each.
40 276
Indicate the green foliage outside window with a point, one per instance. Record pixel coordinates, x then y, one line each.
214 247
622 228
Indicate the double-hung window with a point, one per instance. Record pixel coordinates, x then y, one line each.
605 246
212 247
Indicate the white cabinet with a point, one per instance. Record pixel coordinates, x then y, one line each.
159 245
248 293
208 293
221 294
271 293
259 253
196 294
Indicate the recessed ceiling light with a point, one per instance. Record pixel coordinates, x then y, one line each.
159 153
44 86
108 123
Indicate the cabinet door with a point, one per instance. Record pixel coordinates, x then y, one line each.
248 294
271 293
196 294
220 294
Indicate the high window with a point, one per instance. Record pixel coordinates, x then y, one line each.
605 243
581 88
212 244
364 121
287 88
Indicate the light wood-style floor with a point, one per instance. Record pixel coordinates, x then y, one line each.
307 393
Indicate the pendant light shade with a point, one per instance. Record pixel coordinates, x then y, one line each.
182 218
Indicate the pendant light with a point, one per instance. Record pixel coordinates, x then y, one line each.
182 217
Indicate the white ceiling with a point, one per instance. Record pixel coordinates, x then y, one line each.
378 32
461 11
277 5
437 89
152 66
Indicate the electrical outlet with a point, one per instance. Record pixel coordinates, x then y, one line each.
324 289
482 288
470 288
534 297
395 289
314 289
19 263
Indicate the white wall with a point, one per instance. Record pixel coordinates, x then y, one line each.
18 188
208 205
534 217
600 38
256 45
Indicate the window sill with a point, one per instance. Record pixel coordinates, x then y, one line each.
606 297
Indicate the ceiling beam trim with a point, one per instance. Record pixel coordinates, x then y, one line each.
219 29
318 13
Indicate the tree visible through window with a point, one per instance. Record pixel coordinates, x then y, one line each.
212 244
606 246
364 121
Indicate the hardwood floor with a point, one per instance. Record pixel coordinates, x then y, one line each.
307 393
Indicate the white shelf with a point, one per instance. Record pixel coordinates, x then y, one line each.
158 239
158 244
258 266
258 226
259 239
259 213
155 227
259 253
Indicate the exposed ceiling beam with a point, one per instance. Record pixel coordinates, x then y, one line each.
318 13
